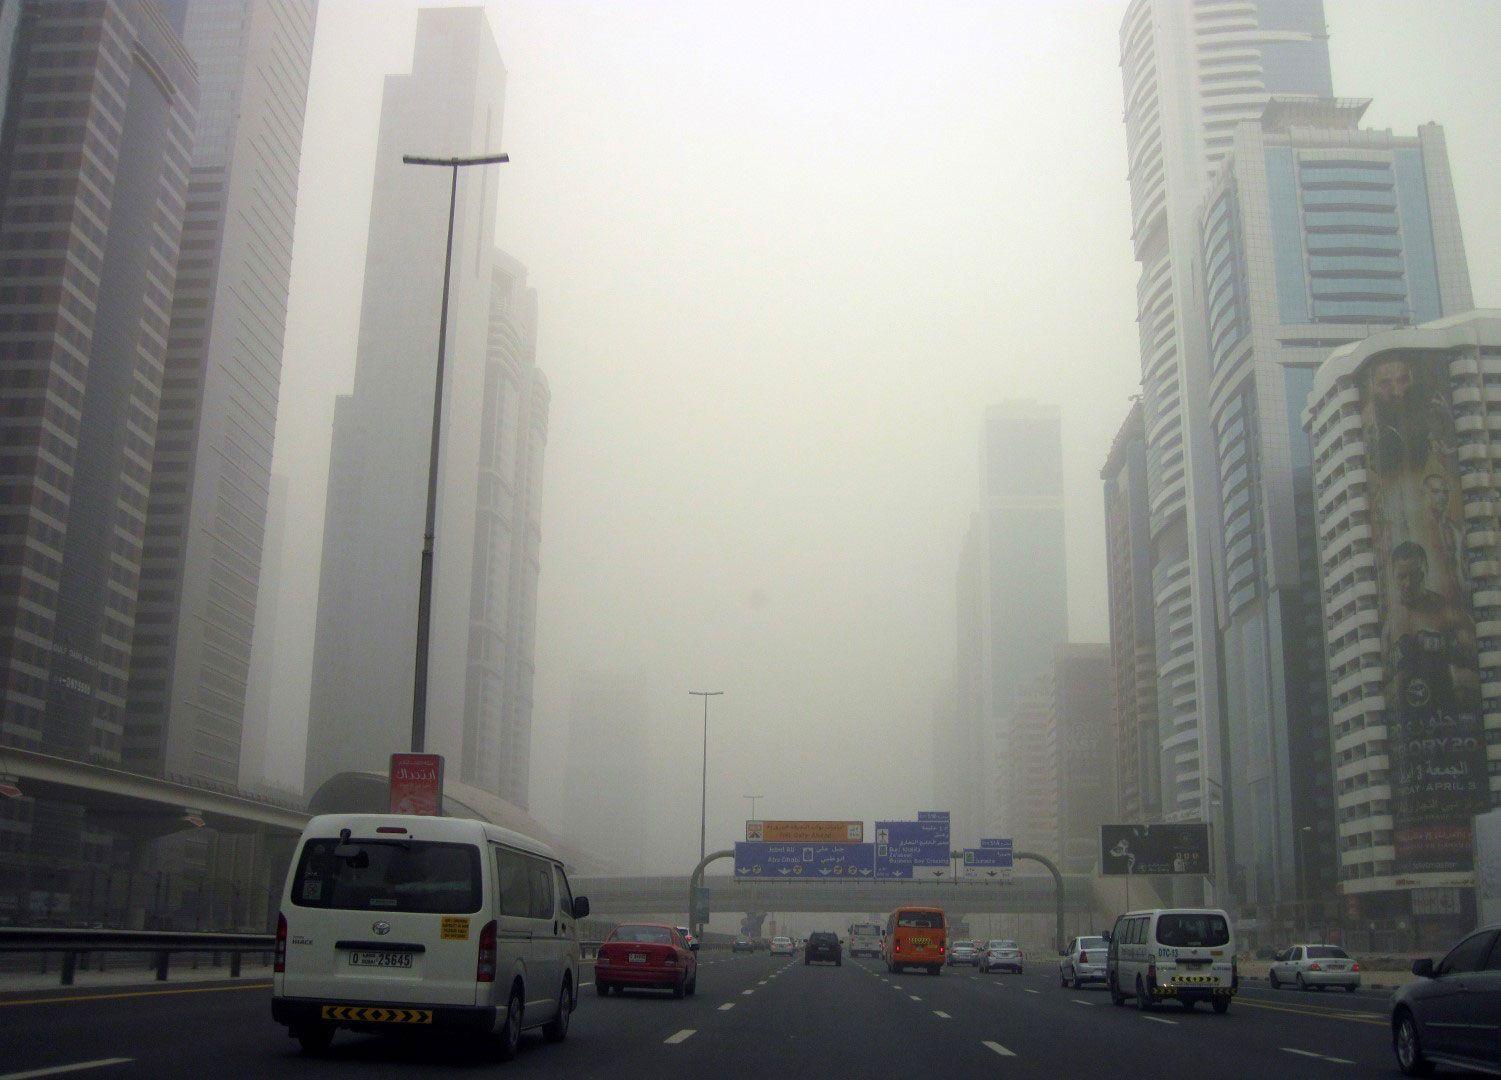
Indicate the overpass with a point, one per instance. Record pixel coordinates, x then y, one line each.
628 897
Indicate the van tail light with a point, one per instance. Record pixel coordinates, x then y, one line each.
1083 958
1152 976
279 966
898 946
942 950
484 968
1354 967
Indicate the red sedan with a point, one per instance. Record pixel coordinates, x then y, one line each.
646 955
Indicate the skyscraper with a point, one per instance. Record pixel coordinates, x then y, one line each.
211 469
1314 233
94 163
1017 570
1085 745
1192 71
494 430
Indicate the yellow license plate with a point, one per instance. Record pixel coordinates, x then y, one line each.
376 1015
921 942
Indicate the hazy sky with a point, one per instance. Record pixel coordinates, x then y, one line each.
785 253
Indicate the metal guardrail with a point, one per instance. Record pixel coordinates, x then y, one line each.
73 944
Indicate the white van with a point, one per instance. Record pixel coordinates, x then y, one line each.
1172 954
394 920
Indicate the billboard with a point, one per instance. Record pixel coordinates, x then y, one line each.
1435 736
1488 867
1154 849
417 784
810 862
805 832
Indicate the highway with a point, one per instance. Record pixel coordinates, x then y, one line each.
753 1016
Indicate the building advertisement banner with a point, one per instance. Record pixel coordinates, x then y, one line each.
1154 849
1432 682
417 784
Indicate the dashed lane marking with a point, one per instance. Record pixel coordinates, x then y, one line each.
1029 990
747 993
1080 1001
58 1070
679 1036
583 984
727 1006
998 1048
914 997
940 1012
1286 1050
1158 1019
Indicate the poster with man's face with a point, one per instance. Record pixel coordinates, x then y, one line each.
1435 736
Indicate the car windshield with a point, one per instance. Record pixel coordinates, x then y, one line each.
1327 952
1091 943
921 920
1193 931
645 935
417 876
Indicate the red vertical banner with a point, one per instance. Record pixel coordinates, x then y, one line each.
417 784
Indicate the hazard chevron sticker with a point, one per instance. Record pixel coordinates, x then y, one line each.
373 1015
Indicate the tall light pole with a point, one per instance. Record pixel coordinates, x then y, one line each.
703 804
425 588
753 800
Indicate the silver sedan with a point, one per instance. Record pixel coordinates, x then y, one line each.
1309 966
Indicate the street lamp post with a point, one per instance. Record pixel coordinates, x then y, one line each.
703 804
425 586
753 800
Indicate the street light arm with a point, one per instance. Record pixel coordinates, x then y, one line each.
455 162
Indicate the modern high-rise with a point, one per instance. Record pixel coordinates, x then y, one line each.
1025 768
1133 635
94 164
1192 71
1405 460
493 431
1314 233
1018 597
211 469
962 741
1086 749
261 735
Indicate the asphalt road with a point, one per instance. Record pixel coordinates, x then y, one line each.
753 1016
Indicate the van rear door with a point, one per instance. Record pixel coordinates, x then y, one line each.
385 919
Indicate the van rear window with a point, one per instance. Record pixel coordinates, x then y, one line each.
1192 931
921 920
417 876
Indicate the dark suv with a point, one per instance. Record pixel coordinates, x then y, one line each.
823 946
1452 1015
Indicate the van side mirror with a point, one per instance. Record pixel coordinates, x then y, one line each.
1423 968
580 907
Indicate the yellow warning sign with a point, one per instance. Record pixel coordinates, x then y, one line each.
455 928
376 1015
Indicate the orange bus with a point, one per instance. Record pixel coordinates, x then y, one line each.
916 936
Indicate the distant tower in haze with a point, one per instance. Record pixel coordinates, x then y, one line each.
494 431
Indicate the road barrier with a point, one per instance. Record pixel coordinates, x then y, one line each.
74 944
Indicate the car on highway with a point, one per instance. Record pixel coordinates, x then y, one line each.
964 952
1172 954
1314 966
865 939
1084 962
418 923
916 936
1002 954
743 944
823 947
781 946
646 956
1452 1015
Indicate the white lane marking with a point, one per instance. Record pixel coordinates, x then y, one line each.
57 1070
998 1048
1028 990
1284 1049
940 1012
677 1037
1080 1001
747 993
761 983
583 984
914 997
1158 1019
727 1006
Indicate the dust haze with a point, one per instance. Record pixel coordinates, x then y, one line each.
785 255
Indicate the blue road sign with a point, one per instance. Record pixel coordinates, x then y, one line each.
1000 845
987 863
933 815
809 862
902 845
